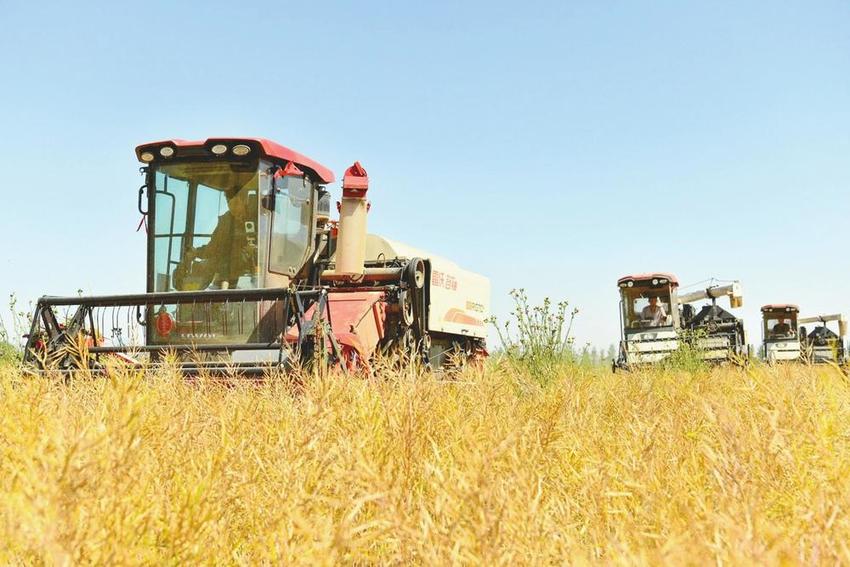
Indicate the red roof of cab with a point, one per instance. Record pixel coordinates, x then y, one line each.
648 276
269 149
780 307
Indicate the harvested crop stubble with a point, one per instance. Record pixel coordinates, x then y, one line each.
650 467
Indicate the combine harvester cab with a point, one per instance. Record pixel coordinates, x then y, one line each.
823 344
780 338
246 271
655 320
649 326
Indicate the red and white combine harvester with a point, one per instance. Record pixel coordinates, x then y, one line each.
246 271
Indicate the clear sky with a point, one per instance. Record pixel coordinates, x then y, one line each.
549 145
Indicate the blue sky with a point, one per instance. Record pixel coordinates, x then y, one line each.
549 145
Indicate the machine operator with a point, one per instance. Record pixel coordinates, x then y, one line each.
781 328
230 253
655 313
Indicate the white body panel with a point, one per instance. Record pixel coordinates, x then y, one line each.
650 346
266 355
713 343
460 300
824 354
782 351
653 335
646 358
714 348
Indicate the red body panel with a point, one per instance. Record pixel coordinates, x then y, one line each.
357 320
268 148
649 276
780 307
355 181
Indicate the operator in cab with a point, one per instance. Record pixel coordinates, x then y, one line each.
781 328
654 313
231 252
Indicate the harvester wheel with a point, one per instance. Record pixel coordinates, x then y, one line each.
418 280
405 303
408 341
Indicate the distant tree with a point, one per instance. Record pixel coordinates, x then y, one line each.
612 353
585 358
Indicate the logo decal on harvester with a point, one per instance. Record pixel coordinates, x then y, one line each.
447 281
458 316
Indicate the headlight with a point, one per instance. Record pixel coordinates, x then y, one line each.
241 150
218 149
146 157
166 151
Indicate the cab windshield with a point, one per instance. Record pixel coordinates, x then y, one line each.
224 225
780 325
205 222
645 307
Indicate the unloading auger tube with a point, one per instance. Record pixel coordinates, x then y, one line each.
246 272
733 290
838 317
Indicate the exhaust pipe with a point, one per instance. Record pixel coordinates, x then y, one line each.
351 242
